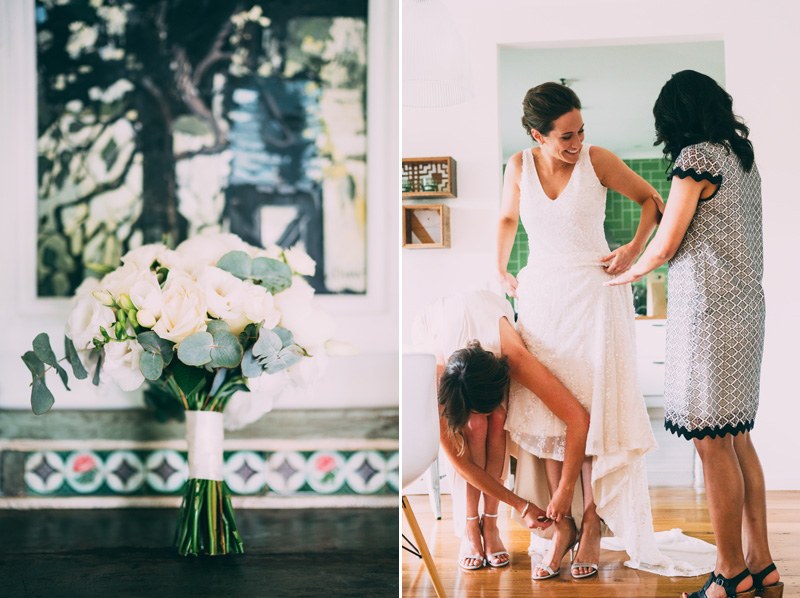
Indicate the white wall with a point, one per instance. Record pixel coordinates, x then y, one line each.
369 379
761 51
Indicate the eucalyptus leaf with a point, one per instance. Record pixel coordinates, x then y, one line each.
41 397
151 365
219 380
215 326
267 345
286 336
251 368
34 364
43 350
98 367
74 359
272 274
189 379
153 343
195 350
285 358
226 352
249 335
237 263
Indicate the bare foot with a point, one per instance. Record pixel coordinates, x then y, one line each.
471 552
589 546
563 539
492 543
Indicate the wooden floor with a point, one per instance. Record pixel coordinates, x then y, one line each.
672 507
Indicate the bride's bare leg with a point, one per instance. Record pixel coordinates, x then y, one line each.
495 459
475 436
589 547
564 534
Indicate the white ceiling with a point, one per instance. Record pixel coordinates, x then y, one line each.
617 86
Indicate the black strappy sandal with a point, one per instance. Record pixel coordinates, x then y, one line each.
774 590
729 585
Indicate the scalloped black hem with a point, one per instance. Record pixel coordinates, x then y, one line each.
698 176
708 431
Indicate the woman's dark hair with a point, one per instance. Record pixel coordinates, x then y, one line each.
474 379
692 108
544 103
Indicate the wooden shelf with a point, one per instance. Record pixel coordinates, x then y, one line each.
426 226
429 177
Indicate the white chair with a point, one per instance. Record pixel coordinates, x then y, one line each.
420 440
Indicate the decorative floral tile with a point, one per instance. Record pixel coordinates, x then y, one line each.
163 472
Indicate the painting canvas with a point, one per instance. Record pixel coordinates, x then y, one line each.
159 119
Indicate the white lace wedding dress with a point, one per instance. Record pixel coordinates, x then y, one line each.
584 333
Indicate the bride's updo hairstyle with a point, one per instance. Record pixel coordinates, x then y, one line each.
545 103
474 380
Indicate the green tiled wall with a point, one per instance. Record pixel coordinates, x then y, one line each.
622 214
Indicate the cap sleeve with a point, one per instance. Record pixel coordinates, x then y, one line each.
696 162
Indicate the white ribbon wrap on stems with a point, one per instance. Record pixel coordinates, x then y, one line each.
204 435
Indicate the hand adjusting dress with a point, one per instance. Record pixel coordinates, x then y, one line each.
584 333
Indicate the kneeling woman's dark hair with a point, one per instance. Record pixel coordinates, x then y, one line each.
474 380
692 108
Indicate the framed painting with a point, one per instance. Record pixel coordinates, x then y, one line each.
157 120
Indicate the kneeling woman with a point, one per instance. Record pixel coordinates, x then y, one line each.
479 351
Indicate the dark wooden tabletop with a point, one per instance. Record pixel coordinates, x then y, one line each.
128 552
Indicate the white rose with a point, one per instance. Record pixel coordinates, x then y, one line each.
87 287
144 256
223 293
271 251
299 261
310 326
246 407
183 310
121 280
206 249
308 370
176 262
259 306
147 297
85 319
121 364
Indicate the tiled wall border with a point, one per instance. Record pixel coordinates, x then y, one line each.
273 465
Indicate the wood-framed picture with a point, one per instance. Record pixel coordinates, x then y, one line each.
426 226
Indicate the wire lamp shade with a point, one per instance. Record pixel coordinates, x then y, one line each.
435 65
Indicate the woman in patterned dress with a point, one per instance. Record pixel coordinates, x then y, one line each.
711 236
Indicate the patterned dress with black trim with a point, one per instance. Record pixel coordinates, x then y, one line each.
715 307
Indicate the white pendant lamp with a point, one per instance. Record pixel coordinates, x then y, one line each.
435 65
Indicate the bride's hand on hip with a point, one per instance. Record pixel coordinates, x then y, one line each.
509 284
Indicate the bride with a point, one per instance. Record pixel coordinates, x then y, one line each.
582 331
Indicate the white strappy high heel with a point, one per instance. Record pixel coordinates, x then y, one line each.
463 557
492 557
570 549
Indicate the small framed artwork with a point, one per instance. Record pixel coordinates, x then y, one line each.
429 177
426 226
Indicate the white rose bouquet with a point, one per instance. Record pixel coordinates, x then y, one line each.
197 326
